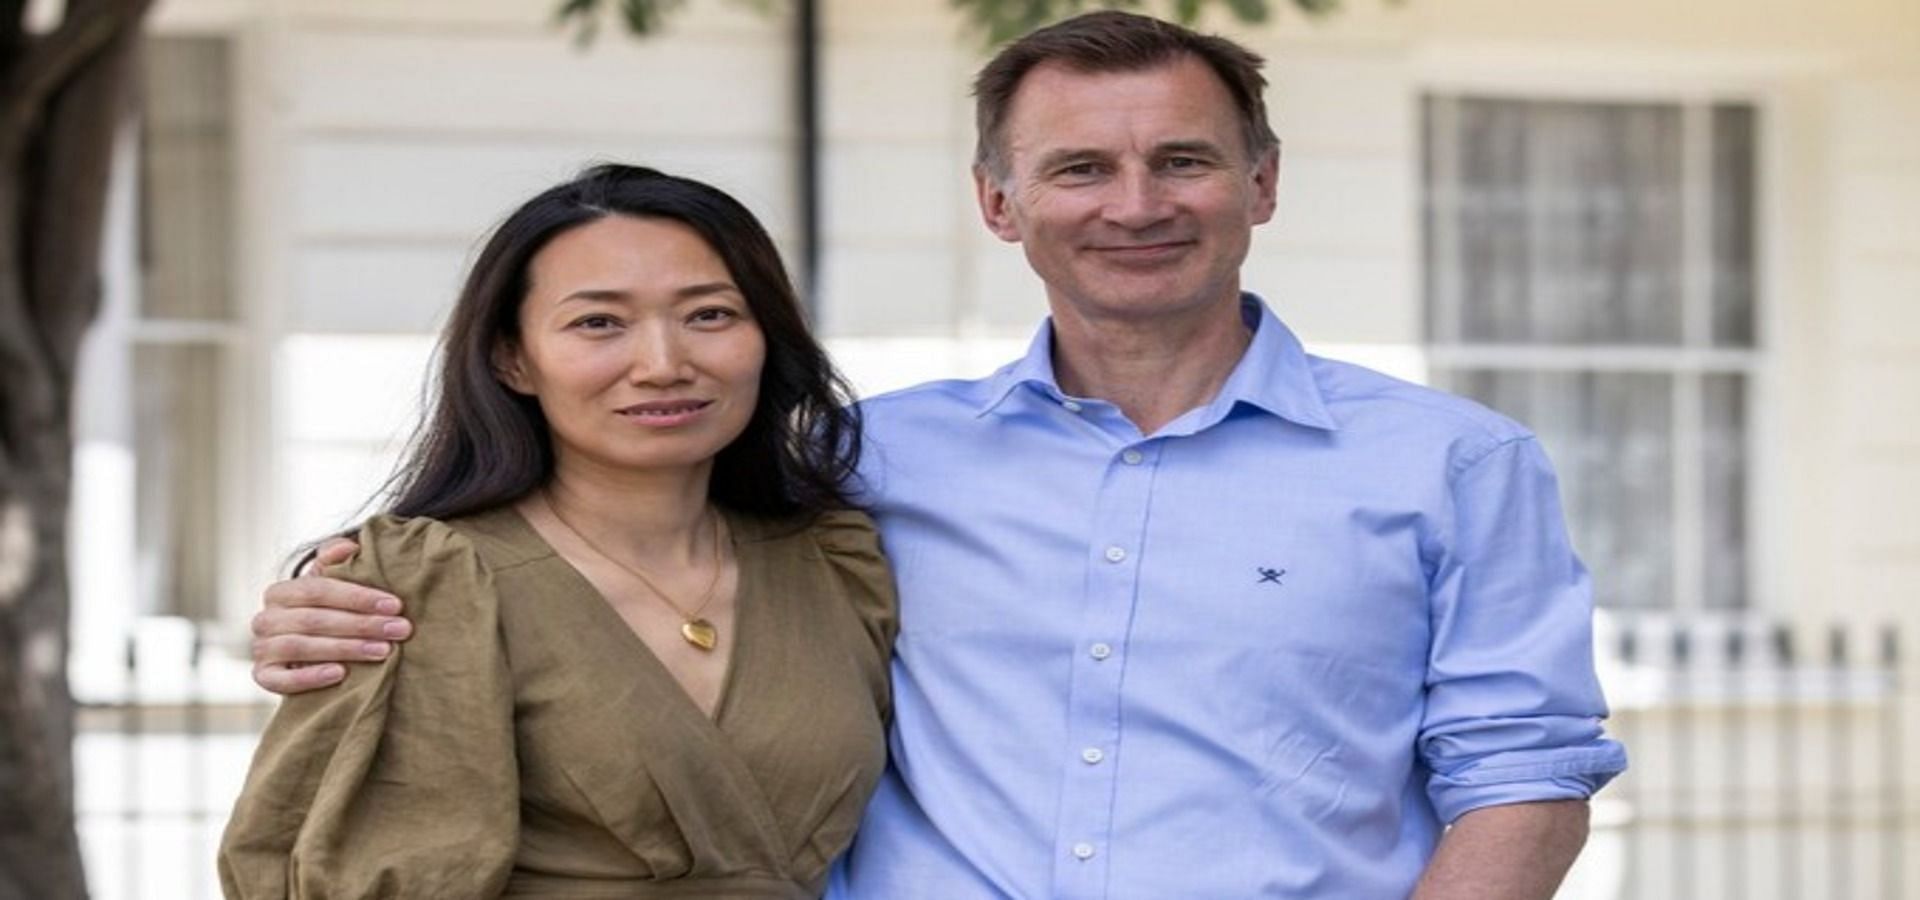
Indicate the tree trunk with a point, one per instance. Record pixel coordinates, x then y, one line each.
63 96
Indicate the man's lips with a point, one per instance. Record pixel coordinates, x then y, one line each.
1143 252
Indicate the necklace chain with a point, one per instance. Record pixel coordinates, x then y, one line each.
694 629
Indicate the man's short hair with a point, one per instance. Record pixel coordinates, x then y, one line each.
1112 41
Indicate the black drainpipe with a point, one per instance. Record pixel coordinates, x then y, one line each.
806 39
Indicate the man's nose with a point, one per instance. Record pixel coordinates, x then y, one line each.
1139 200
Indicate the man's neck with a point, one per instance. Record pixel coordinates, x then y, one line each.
1154 369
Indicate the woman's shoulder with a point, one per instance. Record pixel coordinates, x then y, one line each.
849 544
835 534
494 540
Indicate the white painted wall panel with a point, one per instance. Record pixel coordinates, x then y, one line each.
393 188
360 389
1361 101
1879 403
1005 297
702 17
540 83
894 192
1879 304
891 89
1877 123
1878 211
1883 491
1355 298
894 292
1344 203
375 288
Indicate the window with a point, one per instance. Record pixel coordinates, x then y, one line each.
182 328
1590 270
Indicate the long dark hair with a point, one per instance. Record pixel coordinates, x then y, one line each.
483 445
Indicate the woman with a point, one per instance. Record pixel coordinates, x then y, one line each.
652 637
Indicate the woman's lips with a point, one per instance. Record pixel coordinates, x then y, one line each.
664 413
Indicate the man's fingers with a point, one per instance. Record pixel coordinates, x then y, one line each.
334 552
300 648
284 679
320 622
332 593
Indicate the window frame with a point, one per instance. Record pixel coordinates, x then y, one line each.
1695 90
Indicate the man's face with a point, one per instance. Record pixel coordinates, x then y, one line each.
1132 192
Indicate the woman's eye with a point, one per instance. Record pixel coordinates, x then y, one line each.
715 314
595 323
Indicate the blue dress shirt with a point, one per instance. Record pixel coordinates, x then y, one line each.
1266 651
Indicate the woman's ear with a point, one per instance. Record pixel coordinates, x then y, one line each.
509 367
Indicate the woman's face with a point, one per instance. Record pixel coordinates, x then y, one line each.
640 348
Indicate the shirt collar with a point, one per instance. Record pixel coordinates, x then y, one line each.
1274 375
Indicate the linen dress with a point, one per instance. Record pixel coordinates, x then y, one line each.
526 743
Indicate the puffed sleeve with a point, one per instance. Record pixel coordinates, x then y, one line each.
1513 706
851 546
402 781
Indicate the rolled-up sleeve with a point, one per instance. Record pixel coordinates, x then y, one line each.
1513 707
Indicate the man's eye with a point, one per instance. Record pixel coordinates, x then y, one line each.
1080 170
1185 162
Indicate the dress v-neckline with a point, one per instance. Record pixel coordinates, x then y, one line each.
743 631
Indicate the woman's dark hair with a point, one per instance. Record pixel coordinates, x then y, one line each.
483 445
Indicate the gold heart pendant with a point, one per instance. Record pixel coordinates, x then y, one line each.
700 633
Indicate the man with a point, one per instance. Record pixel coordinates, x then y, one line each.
1185 611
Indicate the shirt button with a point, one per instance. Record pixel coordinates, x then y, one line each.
1100 651
1116 554
1132 457
1083 851
1092 755
1071 405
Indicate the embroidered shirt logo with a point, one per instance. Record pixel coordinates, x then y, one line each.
1270 575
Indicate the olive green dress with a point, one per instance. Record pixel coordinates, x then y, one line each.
526 743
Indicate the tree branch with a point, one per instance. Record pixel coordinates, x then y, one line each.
13 31
51 60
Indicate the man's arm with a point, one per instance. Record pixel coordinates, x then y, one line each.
1518 851
310 625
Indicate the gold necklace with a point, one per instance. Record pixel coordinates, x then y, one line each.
693 629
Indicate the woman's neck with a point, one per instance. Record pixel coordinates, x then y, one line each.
659 518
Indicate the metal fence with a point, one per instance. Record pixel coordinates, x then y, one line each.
1767 763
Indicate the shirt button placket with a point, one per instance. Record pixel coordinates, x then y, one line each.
1094 736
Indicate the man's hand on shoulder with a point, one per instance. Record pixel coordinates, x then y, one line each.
310 625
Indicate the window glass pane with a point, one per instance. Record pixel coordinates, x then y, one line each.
1733 225
1566 218
1724 443
177 430
186 208
1610 436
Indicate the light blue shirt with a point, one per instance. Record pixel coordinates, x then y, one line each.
1266 651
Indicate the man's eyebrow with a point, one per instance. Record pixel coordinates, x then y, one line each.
1055 159
1196 148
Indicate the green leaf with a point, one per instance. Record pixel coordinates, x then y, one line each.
1252 12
